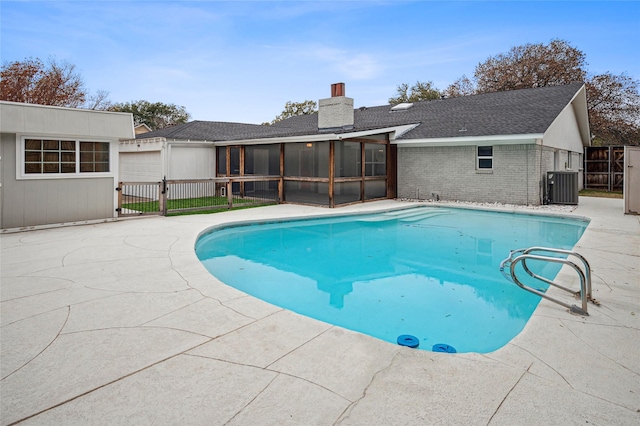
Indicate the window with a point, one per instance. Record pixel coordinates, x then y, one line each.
59 156
94 157
49 156
375 159
485 157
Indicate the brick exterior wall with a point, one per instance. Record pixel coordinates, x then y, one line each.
450 173
335 112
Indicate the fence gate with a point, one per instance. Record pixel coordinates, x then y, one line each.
139 198
632 180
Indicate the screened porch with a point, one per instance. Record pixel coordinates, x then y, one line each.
325 173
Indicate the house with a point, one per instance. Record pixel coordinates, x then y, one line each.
184 151
58 165
493 147
141 128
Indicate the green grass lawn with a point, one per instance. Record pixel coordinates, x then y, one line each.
599 193
216 203
216 210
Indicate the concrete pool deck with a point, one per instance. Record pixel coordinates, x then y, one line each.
119 323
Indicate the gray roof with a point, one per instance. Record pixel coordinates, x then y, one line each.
512 112
206 131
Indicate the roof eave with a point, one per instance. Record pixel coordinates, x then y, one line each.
280 139
395 131
580 107
528 138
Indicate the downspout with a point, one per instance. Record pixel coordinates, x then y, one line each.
541 186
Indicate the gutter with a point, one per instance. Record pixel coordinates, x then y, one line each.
529 138
281 139
397 131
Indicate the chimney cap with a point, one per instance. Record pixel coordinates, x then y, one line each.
337 89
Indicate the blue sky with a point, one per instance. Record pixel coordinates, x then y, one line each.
242 61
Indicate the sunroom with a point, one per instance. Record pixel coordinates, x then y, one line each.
317 172
333 166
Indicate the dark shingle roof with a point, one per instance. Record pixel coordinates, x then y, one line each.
204 130
500 113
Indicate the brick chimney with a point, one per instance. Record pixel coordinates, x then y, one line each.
336 112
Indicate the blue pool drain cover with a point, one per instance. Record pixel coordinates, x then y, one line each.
408 340
443 347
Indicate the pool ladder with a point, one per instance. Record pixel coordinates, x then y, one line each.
584 273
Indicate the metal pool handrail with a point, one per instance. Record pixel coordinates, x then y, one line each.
585 276
586 271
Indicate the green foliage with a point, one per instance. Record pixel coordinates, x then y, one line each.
421 91
203 204
599 193
291 109
155 115
180 203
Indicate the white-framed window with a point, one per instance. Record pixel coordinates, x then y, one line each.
484 159
375 159
63 157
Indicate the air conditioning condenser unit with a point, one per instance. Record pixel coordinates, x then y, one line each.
562 188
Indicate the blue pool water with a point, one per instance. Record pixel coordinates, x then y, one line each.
428 272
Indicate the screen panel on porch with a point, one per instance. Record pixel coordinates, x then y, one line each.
262 160
306 167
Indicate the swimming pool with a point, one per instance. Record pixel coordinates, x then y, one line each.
429 272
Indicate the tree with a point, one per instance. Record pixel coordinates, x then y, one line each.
613 100
461 87
99 101
155 115
614 109
421 91
54 83
531 65
292 109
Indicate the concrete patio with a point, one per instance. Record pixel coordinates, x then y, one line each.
119 323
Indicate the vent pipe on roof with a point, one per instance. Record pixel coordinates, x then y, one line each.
335 112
